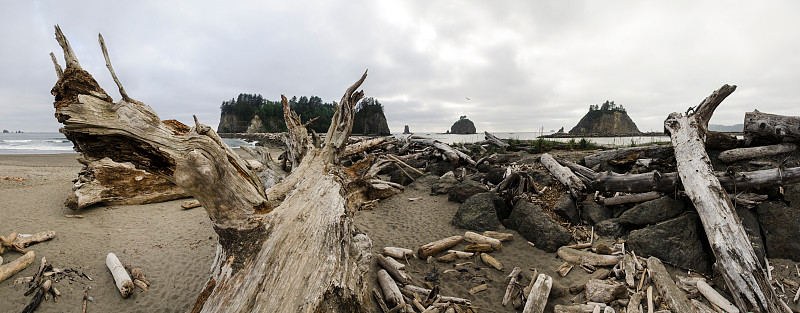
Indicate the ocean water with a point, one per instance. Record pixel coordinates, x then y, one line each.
55 143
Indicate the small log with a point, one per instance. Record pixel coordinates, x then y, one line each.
462 254
478 238
512 283
739 154
396 264
489 260
650 304
394 158
564 269
399 253
452 154
478 288
426 292
668 182
629 267
27 240
140 284
191 204
137 274
652 151
13 267
85 301
635 303
537 298
564 175
765 128
438 246
478 247
580 286
8 243
498 235
585 257
714 297
675 298
121 278
527 289
363 145
632 198
392 269
702 307
605 291
447 258
578 308
390 290
494 140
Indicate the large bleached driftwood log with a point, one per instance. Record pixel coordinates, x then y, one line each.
734 155
565 176
112 183
670 182
744 275
765 128
653 151
278 251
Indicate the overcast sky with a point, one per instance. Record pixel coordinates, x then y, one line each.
507 65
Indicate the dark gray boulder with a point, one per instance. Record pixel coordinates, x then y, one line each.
594 213
792 195
462 191
400 178
541 177
676 241
565 207
439 168
533 224
780 225
478 213
443 185
495 175
753 230
652 211
610 228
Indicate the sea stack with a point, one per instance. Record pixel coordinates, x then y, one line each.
406 131
463 126
608 119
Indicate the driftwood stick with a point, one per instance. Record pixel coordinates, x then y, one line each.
537 299
675 298
426 293
739 154
59 71
191 204
579 308
394 158
564 175
714 297
650 307
478 238
13 267
512 283
585 257
653 151
491 261
399 253
629 266
494 140
633 198
27 240
363 145
635 303
398 275
41 293
121 278
736 260
85 301
435 247
390 290
111 70
702 307
498 235
668 182
379 298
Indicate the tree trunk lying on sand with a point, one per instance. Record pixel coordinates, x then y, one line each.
278 251
765 128
744 275
653 151
105 181
668 182
734 155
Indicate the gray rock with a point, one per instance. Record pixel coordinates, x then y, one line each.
462 191
439 168
792 195
478 213
676 241
443 185
541 177
780 225
609 228
533 224
753 230
652 212
495 175
565 207
594 213
401 178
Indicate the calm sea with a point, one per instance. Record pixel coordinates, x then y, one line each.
54 143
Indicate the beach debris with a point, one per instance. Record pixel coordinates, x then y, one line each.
7 243
715 298
73 216
139 279
586 257
121 278
605 291
491 261
462 254
512 285
447 258
379 298
478 288
564 175
27 240
398 253
390 290
564 269
191 204
41 292
12 178
440 245
478 238
394 268
540 291
13 267
478 247
498 235
85 301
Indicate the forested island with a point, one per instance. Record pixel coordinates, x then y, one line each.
253 113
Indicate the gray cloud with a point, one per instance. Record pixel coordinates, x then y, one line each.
524 65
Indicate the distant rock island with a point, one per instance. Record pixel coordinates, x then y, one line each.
369 118
406 131
608 119
463 126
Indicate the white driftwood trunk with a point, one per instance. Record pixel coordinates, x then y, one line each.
537 299
564 175
738 154
668 182
633 198
121 278
278 250
744 275
494 140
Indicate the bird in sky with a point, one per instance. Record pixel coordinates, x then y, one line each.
467 98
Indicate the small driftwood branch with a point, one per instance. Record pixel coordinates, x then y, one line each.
738 154
491 261
478 238
537 299
675 298
59 71
632 198
111 70
438 246
399 253
714 297
27 240
512 284
13 267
